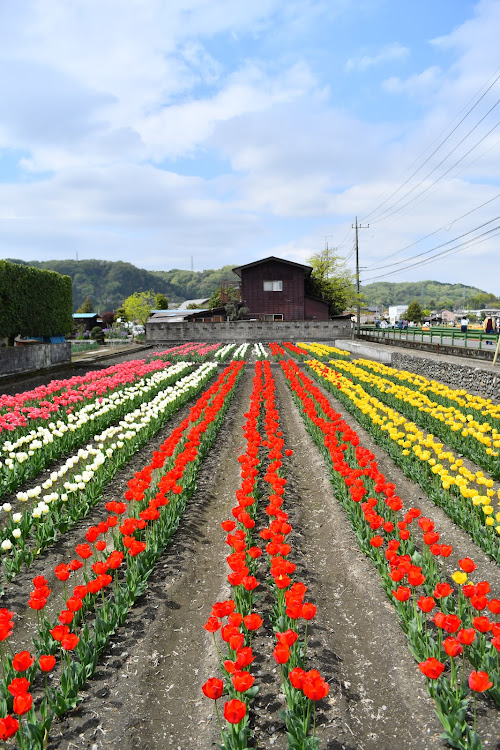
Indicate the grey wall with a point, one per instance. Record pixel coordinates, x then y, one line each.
240 331
485 381
33 357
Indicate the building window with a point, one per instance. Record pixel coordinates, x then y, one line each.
271 317
273 286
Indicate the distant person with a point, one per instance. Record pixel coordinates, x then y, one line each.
463 324
488 325
384 324
488 328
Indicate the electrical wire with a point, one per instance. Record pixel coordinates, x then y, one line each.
384 215
468 243
431 234
432 249
440 144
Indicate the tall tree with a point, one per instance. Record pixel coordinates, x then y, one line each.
161 301
87 306
139 305
414 312
331 281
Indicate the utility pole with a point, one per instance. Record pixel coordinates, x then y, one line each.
357 226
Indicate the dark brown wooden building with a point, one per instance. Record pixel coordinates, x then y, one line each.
275 289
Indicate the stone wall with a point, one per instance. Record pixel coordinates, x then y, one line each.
240 331
33 357
484 381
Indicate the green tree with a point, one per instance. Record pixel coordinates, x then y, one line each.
331 281
86 306
161 302
414 312
139 305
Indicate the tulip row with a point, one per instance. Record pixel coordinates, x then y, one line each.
388 536
79 482
302 689
477 440
31 453
155 500
482 409
322 351
192 352
259 351
236 633
27 410
451 487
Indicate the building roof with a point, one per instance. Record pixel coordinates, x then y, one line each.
201 301
82 316
239 269
172 316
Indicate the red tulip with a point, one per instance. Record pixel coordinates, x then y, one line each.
22 661
431 668
467 565
22 703
8 727
452 646
402 593
281 653
466 636
213 688
478 681
242 681
47 662
19 686
234 711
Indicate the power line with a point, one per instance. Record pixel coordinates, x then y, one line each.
439 145
448 242
381 216
468 243
431 234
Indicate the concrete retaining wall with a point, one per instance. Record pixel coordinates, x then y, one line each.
367 351
33 357
455 351
240 331
485 382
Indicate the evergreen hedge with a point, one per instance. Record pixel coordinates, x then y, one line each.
34 302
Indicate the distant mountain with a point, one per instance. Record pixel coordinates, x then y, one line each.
434 295
108 283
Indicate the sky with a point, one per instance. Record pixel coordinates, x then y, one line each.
199 133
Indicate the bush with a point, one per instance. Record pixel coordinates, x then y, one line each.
34 302
97 334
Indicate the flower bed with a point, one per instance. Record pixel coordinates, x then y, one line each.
461 430
262 463
466 496
389 537
121 553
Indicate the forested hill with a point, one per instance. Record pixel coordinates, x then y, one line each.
433 295
108 283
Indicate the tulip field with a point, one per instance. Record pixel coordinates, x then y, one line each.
249 546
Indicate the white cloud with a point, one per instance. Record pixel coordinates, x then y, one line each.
424 83
389 53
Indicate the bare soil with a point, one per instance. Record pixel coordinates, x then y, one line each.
147 690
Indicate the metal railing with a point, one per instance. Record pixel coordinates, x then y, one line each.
437 335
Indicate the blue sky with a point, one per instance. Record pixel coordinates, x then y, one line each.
151 131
